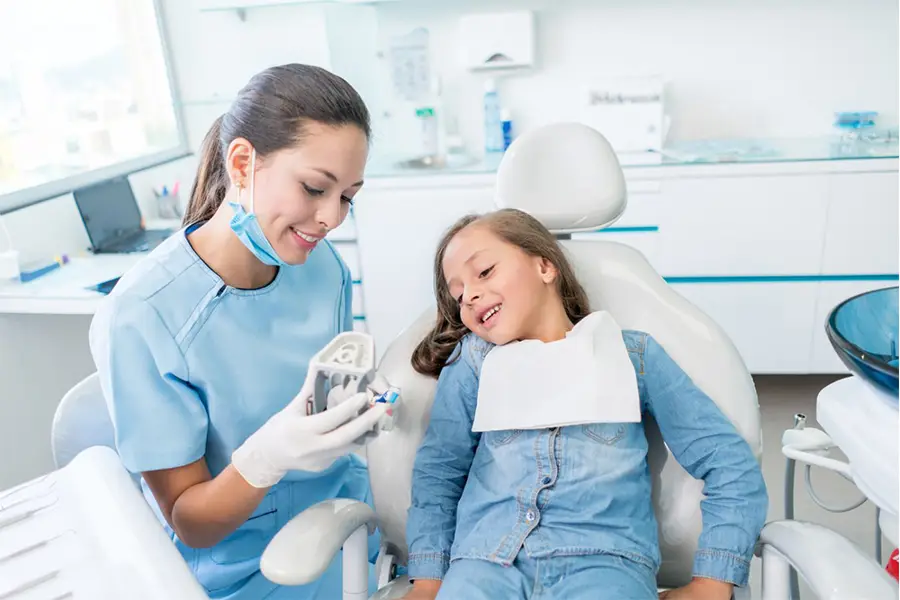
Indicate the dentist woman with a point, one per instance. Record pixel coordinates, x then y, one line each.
202 348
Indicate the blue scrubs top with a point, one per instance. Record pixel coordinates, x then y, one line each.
190 367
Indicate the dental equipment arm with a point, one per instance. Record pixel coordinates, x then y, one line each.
833 567
304 548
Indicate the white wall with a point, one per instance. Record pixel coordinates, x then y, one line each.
737 68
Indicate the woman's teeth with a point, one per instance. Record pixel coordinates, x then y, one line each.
491 313
303 236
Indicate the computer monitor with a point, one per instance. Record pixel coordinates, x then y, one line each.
109 211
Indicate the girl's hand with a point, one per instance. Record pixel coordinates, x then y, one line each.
423 589
700 589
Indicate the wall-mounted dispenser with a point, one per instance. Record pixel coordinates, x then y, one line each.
497 41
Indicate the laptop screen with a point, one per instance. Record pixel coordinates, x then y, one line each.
109 211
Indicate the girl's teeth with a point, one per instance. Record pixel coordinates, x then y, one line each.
491 313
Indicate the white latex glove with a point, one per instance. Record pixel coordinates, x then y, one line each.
376 387
291 440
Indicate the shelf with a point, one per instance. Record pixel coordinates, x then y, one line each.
241 6
702 152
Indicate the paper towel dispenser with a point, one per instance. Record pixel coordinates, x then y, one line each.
493 41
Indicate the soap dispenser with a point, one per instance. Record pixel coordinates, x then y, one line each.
493 119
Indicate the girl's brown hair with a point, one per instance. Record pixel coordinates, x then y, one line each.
271 112
519 229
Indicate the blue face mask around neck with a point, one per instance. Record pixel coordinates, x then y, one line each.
248 230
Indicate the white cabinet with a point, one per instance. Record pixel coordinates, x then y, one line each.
861 236
743 225
771 324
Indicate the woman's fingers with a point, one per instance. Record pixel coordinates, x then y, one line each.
343 412
349 432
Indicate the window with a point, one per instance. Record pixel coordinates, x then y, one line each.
85 94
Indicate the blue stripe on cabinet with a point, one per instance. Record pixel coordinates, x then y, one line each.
779 278
359 317
357 281
634 229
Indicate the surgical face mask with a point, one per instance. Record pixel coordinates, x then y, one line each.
245 225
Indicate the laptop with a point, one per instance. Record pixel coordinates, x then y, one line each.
112 219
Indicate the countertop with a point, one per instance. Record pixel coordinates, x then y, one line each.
705 152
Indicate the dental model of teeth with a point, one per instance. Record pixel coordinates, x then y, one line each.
349 360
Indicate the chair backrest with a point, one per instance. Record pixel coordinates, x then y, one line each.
619 279
81 421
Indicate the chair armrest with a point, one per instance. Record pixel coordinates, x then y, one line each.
305 547
833 567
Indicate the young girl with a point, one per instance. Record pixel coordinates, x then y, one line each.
565 512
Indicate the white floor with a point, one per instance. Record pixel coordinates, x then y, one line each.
779 399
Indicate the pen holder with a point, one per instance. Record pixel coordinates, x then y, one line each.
168 206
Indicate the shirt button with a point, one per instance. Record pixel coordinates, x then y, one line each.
546 480
529 516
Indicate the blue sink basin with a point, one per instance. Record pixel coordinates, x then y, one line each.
863 332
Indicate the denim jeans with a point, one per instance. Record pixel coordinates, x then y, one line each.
591 577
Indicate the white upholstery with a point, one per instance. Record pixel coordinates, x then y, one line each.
81 421
617 278
565 175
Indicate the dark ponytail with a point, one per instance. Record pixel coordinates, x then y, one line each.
211 182
271 112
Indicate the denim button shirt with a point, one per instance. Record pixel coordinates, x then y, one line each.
578 490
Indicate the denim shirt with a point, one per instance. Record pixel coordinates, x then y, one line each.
582 489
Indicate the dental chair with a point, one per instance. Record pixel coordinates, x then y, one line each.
85 530
568 176
81 421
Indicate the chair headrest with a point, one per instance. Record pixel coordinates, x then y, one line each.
566 175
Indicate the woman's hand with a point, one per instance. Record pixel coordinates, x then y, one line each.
294 441
700 589
423 589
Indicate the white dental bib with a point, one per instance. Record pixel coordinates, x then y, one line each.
587 377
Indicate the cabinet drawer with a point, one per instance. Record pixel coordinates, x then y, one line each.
743 226
861 236
771 324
